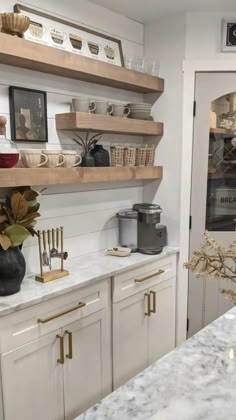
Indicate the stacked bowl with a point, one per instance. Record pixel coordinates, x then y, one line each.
140 111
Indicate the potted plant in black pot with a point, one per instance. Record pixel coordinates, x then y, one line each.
18 214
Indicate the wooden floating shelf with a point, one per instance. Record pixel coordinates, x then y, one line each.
221 175
83 121
19 52
217 131
17 177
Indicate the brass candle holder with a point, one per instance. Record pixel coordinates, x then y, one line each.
51 245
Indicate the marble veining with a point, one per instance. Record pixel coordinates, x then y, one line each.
83 270
197 381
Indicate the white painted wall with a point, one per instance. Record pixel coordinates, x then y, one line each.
88 217
169 47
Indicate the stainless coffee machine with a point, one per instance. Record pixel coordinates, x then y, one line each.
140 229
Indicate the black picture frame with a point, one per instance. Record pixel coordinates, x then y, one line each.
28 115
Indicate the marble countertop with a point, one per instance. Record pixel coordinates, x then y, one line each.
83 270
197 381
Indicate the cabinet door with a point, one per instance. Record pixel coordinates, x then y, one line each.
33 381
161 328
87 368
130 327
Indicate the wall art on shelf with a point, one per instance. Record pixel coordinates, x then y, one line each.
28 113
229 34
59 33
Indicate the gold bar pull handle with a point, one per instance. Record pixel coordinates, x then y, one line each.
148 313
70 354
67 311
154 302
61 341
158 273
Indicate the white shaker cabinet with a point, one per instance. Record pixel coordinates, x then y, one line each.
32 381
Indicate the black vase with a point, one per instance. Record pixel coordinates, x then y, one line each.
12 271
88 160
101 156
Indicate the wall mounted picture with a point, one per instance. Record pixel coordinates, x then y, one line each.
229 34
28 113
59 33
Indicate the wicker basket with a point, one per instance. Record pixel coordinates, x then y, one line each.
141 153
129 156
117 156
150 154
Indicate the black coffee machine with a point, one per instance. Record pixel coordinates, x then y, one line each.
152 236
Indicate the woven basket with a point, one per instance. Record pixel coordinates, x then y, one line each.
150 154
141 153
117 156
130 156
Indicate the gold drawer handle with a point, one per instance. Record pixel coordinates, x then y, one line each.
149 277
154 302
61 358
148 313
70 354
67 311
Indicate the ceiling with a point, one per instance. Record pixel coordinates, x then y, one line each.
147 10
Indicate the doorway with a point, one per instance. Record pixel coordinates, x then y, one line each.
213 186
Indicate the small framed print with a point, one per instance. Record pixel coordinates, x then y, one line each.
28 115
229 34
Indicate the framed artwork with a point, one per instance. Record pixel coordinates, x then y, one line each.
28 114
59 33
229 34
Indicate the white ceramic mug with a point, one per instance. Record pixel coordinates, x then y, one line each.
120 110
103 107
71 158
82 104
32 158
55 158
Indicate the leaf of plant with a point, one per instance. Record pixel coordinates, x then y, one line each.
30 195
17 234
19 206
5 242
28 222
33 209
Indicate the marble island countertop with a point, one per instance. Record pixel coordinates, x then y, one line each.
197 381
83 270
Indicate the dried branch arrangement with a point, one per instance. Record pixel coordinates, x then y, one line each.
217 262
87 143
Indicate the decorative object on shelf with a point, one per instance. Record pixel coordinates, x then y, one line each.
129 155
59 33
214 260
82 104
9 154
28 110
117 155
14 23
33 158
87 145
103 108
51 245
150 154
228 41
55 158
140 111
101 155
141 155
18 214
148 65
71 158
120 110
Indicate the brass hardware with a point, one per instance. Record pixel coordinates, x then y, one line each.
154 308
70 354
148 313
149 277
61 359
67 311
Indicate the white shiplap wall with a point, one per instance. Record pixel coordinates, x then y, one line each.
86 212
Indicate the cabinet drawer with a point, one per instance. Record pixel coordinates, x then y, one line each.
141 278
36 321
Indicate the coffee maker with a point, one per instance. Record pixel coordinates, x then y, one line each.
140 229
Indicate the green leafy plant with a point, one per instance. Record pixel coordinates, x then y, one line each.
18 214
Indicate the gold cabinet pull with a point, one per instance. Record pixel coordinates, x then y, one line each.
154 303
149 277
67 311
61 341
70 354
148 313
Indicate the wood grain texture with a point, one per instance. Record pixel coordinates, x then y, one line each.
42 176
83 121
30 55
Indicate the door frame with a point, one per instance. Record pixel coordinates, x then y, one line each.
190 68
